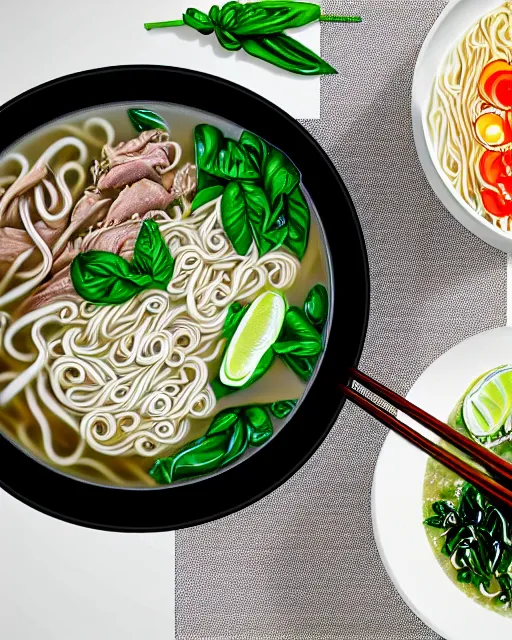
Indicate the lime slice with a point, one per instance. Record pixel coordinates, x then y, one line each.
489 403
258 330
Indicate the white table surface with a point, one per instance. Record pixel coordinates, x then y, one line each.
58 581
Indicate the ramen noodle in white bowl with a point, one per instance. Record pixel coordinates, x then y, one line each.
470 117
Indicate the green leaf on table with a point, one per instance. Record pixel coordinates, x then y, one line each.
286 53
145 120
272 16
199 21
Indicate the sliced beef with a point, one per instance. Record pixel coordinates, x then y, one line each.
21 186
136 159
141 197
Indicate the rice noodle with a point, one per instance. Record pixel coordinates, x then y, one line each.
125 380
130 377
456 104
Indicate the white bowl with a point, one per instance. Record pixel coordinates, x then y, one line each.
397 498
449 28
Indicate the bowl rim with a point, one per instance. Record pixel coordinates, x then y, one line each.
420 96
146 510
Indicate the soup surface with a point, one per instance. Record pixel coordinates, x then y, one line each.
164 293
471 538
470 117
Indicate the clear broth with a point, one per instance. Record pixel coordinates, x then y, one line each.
278 384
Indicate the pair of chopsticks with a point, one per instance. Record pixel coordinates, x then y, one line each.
500 470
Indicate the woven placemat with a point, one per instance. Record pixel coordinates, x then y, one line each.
302 563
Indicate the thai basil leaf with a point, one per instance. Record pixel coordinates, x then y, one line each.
302 367
224 19
280 175
145 120
207 195
227 17
316 308
299 219
199 21
299 336
105 278
434 521
259 425
243 205
443 508
282 408
497 526
227 40
471 506
220 157
199 457
464 575
220 389
224 421
102 277
286 53
151 255
273 17
300 344
256 147
231 432
235 314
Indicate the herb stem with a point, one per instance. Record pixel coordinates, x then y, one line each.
162 25
341 19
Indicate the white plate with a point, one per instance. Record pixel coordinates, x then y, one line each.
449 28
397 497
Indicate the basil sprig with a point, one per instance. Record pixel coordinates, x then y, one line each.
299 345
262 201
257 27
106 278
230 434
145 120
478 539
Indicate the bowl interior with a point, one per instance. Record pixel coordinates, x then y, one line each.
237 486
449 28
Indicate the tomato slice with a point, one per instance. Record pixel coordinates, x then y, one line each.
489 74
501 91
491 167
496 204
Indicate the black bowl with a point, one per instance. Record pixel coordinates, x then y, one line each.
182 505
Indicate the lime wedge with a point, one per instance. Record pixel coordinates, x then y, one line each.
488 402
258 330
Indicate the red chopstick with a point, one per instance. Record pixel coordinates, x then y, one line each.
480 454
